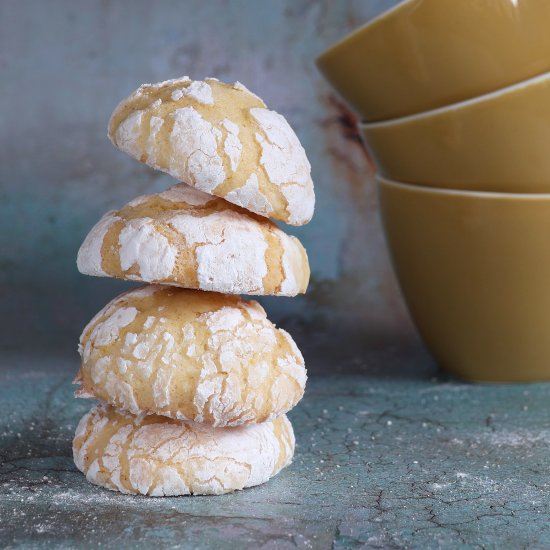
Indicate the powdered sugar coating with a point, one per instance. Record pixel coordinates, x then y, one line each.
198 90
196 141
291 261
155 456
141 244
190 355
222 139
128 134
155 124
285 162
277 139
187 238
230 252
107 332
250 197
89 258
232 145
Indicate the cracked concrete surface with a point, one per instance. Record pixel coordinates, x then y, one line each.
390 454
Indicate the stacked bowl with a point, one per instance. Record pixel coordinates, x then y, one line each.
455 103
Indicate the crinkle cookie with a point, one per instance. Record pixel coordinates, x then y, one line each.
220 138
157 456
190 355
187 238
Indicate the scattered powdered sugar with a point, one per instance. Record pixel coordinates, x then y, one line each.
198 90
161 458
176 95
206 229
188 332
236 263
151 148
89 259
234 342
123 365
208 393
162 385
195 155
128 133
163 84
292 262
258 376
141 244
149 322
285 162
107 330
519 438
250 197
122 392
301 202
230 253
112 453
292 369
283 156
226 318
232 145
294 348
130 340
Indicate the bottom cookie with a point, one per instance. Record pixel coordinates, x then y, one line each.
157 456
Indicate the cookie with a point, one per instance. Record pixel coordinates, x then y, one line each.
187 238
157 456
219 138
190 355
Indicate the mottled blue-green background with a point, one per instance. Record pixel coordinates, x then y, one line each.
64 65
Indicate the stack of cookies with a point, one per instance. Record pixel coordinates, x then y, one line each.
194 385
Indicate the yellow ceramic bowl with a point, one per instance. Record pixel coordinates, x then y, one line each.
475 272
498 142
424 54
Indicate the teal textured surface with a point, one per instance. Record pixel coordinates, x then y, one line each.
389 456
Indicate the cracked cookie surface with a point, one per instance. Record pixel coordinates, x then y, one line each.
220 138
190 355
157 456
187 238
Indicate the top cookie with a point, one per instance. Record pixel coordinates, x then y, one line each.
221 139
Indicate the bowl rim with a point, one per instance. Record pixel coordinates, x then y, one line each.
427 190
359 30
460 105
